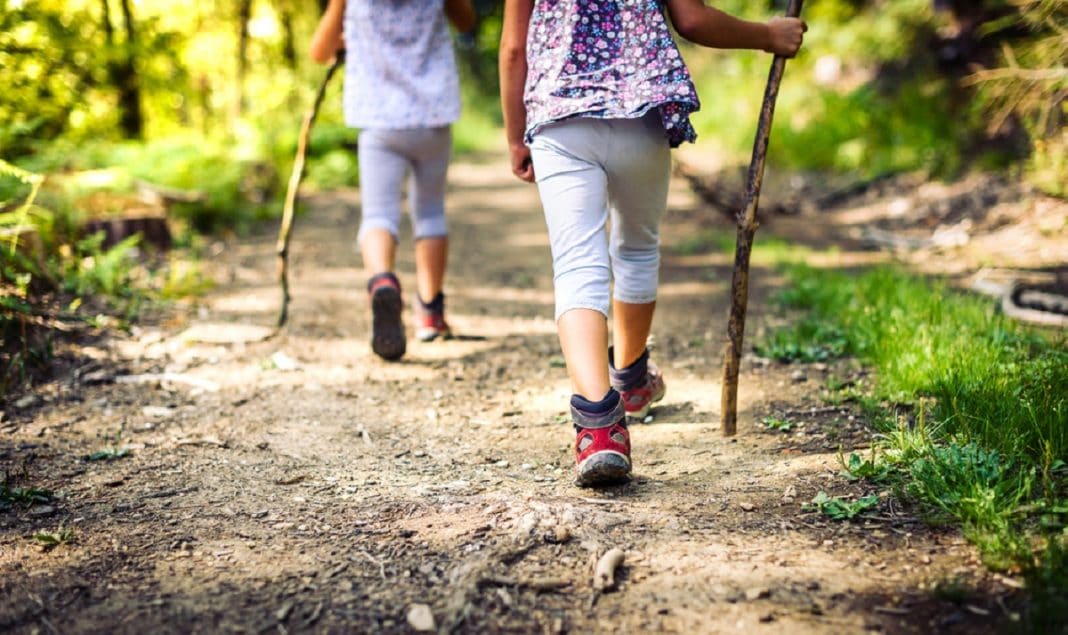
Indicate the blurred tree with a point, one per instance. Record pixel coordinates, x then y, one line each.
123 72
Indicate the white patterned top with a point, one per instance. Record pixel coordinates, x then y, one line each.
400 70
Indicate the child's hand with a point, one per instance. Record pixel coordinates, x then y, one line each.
786 35
521 163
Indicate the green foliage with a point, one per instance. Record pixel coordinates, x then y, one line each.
871 132
51 274
838 508
983 439
1031 87
990 381
856 467
803 341
777 423
11 496
50 539
888 105
108 454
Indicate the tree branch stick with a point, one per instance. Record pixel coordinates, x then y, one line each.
747 226
282 246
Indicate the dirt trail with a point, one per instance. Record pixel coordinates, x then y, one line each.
300 484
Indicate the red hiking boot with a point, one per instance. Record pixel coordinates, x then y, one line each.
387 330
430 321
602 447
639 389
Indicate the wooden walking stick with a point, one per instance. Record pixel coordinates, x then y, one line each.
747 226
282 246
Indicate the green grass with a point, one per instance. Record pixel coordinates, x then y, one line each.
11 496
972 407
838 508
779 424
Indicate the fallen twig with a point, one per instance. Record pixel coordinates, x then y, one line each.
381 565
170 492
536 584
604 574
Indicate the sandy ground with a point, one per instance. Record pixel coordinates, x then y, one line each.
300 484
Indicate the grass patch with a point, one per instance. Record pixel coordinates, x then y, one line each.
51 539
11 496
108 454
778 424
838 508
972 407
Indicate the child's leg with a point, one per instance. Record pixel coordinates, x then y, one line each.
429 153
572 185
638 178
568 161
638 185
584 342
382 171
631 325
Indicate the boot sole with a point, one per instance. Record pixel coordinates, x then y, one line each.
387 331
603 468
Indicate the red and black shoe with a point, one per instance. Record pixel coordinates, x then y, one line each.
640 385
602 447
430 321
387 330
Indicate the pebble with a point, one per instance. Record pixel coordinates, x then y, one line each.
558 535
798 376
157 412
421 618
284 362
757 593
25 402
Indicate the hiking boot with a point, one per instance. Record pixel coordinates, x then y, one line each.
387 330
430 319
640 385
602 443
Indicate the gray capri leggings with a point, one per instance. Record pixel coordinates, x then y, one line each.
386 157
592 171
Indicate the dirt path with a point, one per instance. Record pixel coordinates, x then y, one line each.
300 484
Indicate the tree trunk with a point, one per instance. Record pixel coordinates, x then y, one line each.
123 73
244 14
289 48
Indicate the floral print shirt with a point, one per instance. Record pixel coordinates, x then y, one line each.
400 70
609 59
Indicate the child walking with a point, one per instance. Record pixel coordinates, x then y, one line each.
595 94
402 91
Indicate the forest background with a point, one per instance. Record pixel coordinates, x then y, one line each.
191 110
201 102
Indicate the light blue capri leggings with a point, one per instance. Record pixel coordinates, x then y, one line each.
589 171
386 157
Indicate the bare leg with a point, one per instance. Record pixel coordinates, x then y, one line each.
431 255
584 340
379 249
631 324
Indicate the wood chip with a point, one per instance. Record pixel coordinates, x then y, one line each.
604 574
